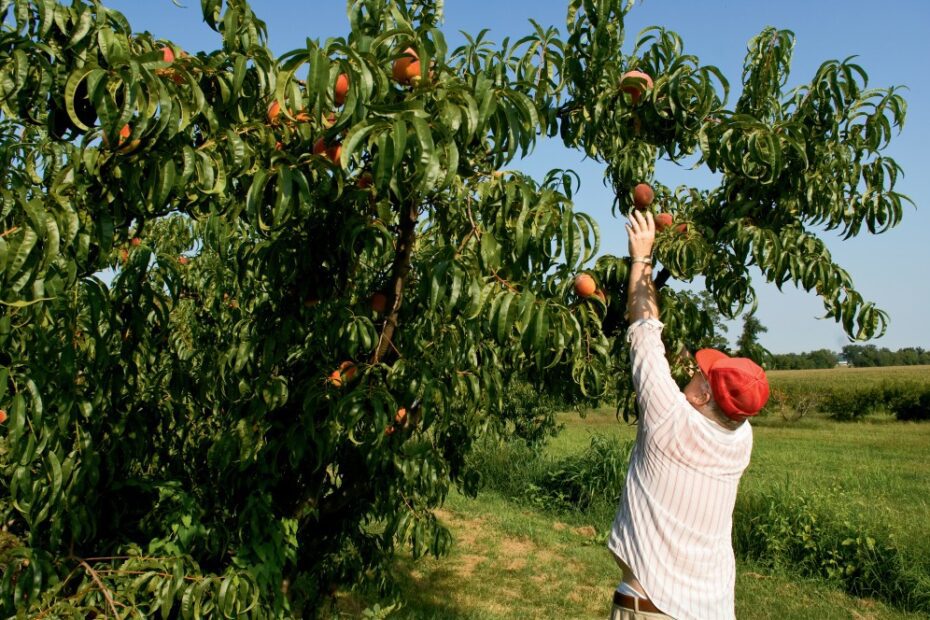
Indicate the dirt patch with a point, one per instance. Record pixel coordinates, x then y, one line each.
465 532
548 557
515 564
584 594
541 578
516 547
467 564
587 531
558 526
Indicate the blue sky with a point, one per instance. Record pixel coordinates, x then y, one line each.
889 38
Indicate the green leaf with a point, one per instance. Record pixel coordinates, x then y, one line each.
23 249
490 252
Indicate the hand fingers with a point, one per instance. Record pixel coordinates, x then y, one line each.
632 224
642 221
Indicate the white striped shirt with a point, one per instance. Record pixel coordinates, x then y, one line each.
673 526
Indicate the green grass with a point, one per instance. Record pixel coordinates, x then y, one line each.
511 560
874 474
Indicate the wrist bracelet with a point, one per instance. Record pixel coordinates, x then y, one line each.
646 260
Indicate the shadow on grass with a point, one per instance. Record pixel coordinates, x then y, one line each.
429 593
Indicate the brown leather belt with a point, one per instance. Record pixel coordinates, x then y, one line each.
635 603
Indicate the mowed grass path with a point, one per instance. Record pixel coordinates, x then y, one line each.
510 560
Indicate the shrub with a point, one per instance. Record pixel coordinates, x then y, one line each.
910 402
591 481
843 404
785 530
507 467
792 405
582 481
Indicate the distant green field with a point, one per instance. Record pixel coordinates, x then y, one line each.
851 377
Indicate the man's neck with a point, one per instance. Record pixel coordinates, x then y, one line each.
719 418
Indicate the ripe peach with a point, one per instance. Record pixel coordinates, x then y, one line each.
635 83
183 260
3 416
124 147
600 295
643 196
341 90
123 255
406 67
681 228
124 133
413 73
663 221
167 55
379 302
389 430
365 180
401 415
584 285
136 242
343 374
274 110
332 152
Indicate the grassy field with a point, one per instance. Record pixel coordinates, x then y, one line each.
510 560
857 377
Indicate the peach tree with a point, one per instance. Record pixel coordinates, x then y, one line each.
325 274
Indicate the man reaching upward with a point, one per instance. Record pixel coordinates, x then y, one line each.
672 533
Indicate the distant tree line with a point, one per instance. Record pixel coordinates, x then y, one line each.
821 358
870 355
855 354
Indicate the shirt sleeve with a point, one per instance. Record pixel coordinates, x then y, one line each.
657 394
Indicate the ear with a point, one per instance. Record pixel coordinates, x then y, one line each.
703 397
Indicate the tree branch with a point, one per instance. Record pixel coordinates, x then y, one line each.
103 589
399 271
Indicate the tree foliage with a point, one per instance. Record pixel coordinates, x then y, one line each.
821 358
747 345
232 426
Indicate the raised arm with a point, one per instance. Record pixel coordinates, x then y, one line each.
656 391
641 294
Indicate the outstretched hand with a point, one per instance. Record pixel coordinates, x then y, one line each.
642 232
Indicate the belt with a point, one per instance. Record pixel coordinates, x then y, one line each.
635 603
